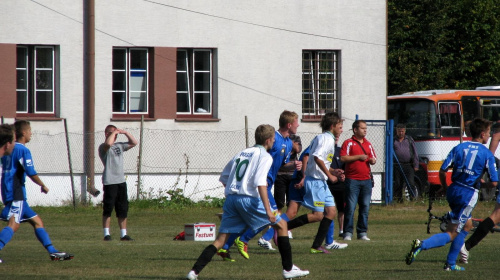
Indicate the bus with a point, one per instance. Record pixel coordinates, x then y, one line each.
437 121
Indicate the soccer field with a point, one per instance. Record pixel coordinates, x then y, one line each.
154 255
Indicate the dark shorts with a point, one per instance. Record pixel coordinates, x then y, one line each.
115 196
281 185
338 192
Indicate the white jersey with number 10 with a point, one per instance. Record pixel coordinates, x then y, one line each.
246 171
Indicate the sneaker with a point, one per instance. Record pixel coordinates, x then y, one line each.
454 267
265 244
61 256
225 255
1 261
336 245
242 248
295 272
107 238
126 238
192 275
365 238
319 250
416 247
464 255
347 238
290 235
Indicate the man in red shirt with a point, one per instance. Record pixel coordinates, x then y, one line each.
357 154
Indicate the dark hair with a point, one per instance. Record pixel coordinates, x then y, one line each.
400 126
6 134
109 126
477 126
328 120
356 123
262 133
20 127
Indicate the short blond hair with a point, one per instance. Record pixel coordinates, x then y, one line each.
287 117
262 133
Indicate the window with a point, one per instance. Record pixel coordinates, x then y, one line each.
319 83
35 80
194 82
450 118
130 81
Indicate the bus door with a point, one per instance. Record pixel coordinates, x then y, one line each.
449 118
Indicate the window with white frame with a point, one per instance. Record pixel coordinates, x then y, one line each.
319 82
194 82
130 81
35 89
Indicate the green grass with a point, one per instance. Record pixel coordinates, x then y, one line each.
154 255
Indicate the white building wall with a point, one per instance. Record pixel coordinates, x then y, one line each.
259 45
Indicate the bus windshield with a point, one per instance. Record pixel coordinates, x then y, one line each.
418 115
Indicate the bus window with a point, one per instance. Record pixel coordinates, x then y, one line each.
470 107
418 115
449 117
490 108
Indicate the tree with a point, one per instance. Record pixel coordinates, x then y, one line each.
438 44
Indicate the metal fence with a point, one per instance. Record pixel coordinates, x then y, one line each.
170 160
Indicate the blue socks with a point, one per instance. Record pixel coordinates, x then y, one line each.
330 233
437 240
230 241
455 247
5 236
43 237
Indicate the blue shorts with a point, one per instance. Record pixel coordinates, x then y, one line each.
294 194
317 195
242 212
462 201
19 209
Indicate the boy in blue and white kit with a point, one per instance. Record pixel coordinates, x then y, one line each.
469 161
247 203
317 195
15 168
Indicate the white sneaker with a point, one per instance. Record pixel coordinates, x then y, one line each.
365 238
192 275
265 244
290 236
295 272
464 255
336 245
347 238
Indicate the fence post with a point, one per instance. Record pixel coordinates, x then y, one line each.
389 161
246 131
139 163
70 163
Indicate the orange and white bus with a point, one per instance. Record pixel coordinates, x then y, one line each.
436 120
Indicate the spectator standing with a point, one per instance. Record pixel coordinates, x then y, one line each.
407 161
113 179
357 153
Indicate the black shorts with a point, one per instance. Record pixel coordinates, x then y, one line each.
338 192
115 196
281 185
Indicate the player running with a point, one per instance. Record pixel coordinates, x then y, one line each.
15 168
469 161
247 203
